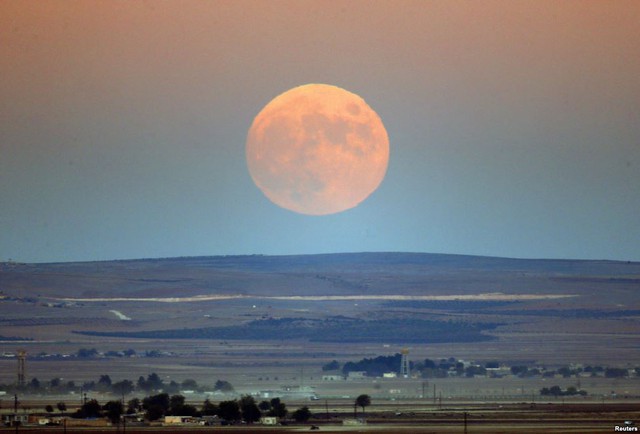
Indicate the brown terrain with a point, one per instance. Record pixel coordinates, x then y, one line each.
264 322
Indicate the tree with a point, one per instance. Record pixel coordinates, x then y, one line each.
71 385
84 353
520 371
178 407
302 414
429 364
142 384
172 387
555 391
123 387
49 408
331 366
154 381
104 383
565 371
189 384
472 371
616 373
209 409
223 386
35 383
104 380
229 410
89 410
277 408
133 406
248 407
264 406
363 401
176 401
114 410
62 407
156 406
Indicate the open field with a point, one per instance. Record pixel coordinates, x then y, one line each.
268 324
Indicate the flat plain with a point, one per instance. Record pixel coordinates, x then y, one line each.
268 323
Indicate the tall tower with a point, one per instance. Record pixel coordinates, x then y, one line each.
404 363
22 367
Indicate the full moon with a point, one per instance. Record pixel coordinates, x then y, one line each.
317 149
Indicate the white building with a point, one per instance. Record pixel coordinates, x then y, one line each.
332 378
356 375
269 420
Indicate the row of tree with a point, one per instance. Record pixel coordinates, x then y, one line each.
376 366
558 391
157 406
104 384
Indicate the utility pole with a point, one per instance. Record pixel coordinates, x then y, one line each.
465 422
15 411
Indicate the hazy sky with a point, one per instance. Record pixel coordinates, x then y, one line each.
514 126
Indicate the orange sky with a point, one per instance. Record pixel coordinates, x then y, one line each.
514 126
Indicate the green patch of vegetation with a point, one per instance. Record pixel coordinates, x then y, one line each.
14 338
568 313
334 329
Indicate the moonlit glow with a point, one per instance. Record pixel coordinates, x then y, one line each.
317 149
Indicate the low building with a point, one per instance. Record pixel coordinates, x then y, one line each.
180 420
269 420
71 422
15 419
209 420
390 375
357 375
354 422
332 378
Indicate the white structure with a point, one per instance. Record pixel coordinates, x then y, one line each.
179 420
353 422
332 378
269 420
357 375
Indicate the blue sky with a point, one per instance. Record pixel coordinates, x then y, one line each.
514 127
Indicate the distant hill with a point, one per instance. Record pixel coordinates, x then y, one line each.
355 297
325 274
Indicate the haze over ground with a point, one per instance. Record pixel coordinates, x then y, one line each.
514 126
